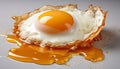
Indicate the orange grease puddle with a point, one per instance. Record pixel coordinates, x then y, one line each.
36 54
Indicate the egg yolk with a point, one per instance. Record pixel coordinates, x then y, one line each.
55 21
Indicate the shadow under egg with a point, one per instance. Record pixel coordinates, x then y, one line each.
109 39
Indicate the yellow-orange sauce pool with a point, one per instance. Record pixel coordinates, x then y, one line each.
36 54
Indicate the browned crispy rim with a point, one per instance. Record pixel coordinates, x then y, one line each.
100 27
88 42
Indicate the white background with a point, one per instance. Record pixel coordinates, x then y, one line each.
110 42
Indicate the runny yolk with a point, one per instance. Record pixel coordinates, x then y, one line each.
36 54
54 21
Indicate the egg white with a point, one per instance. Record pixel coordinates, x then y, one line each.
85 24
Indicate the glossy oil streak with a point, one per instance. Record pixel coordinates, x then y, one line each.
39 55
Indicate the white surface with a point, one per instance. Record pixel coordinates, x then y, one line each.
110 42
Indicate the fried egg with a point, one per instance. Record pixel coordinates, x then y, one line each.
61 26
53 34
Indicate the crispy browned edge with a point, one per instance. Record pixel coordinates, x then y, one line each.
100 27
88 42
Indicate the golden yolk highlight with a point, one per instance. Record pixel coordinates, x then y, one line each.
55 21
